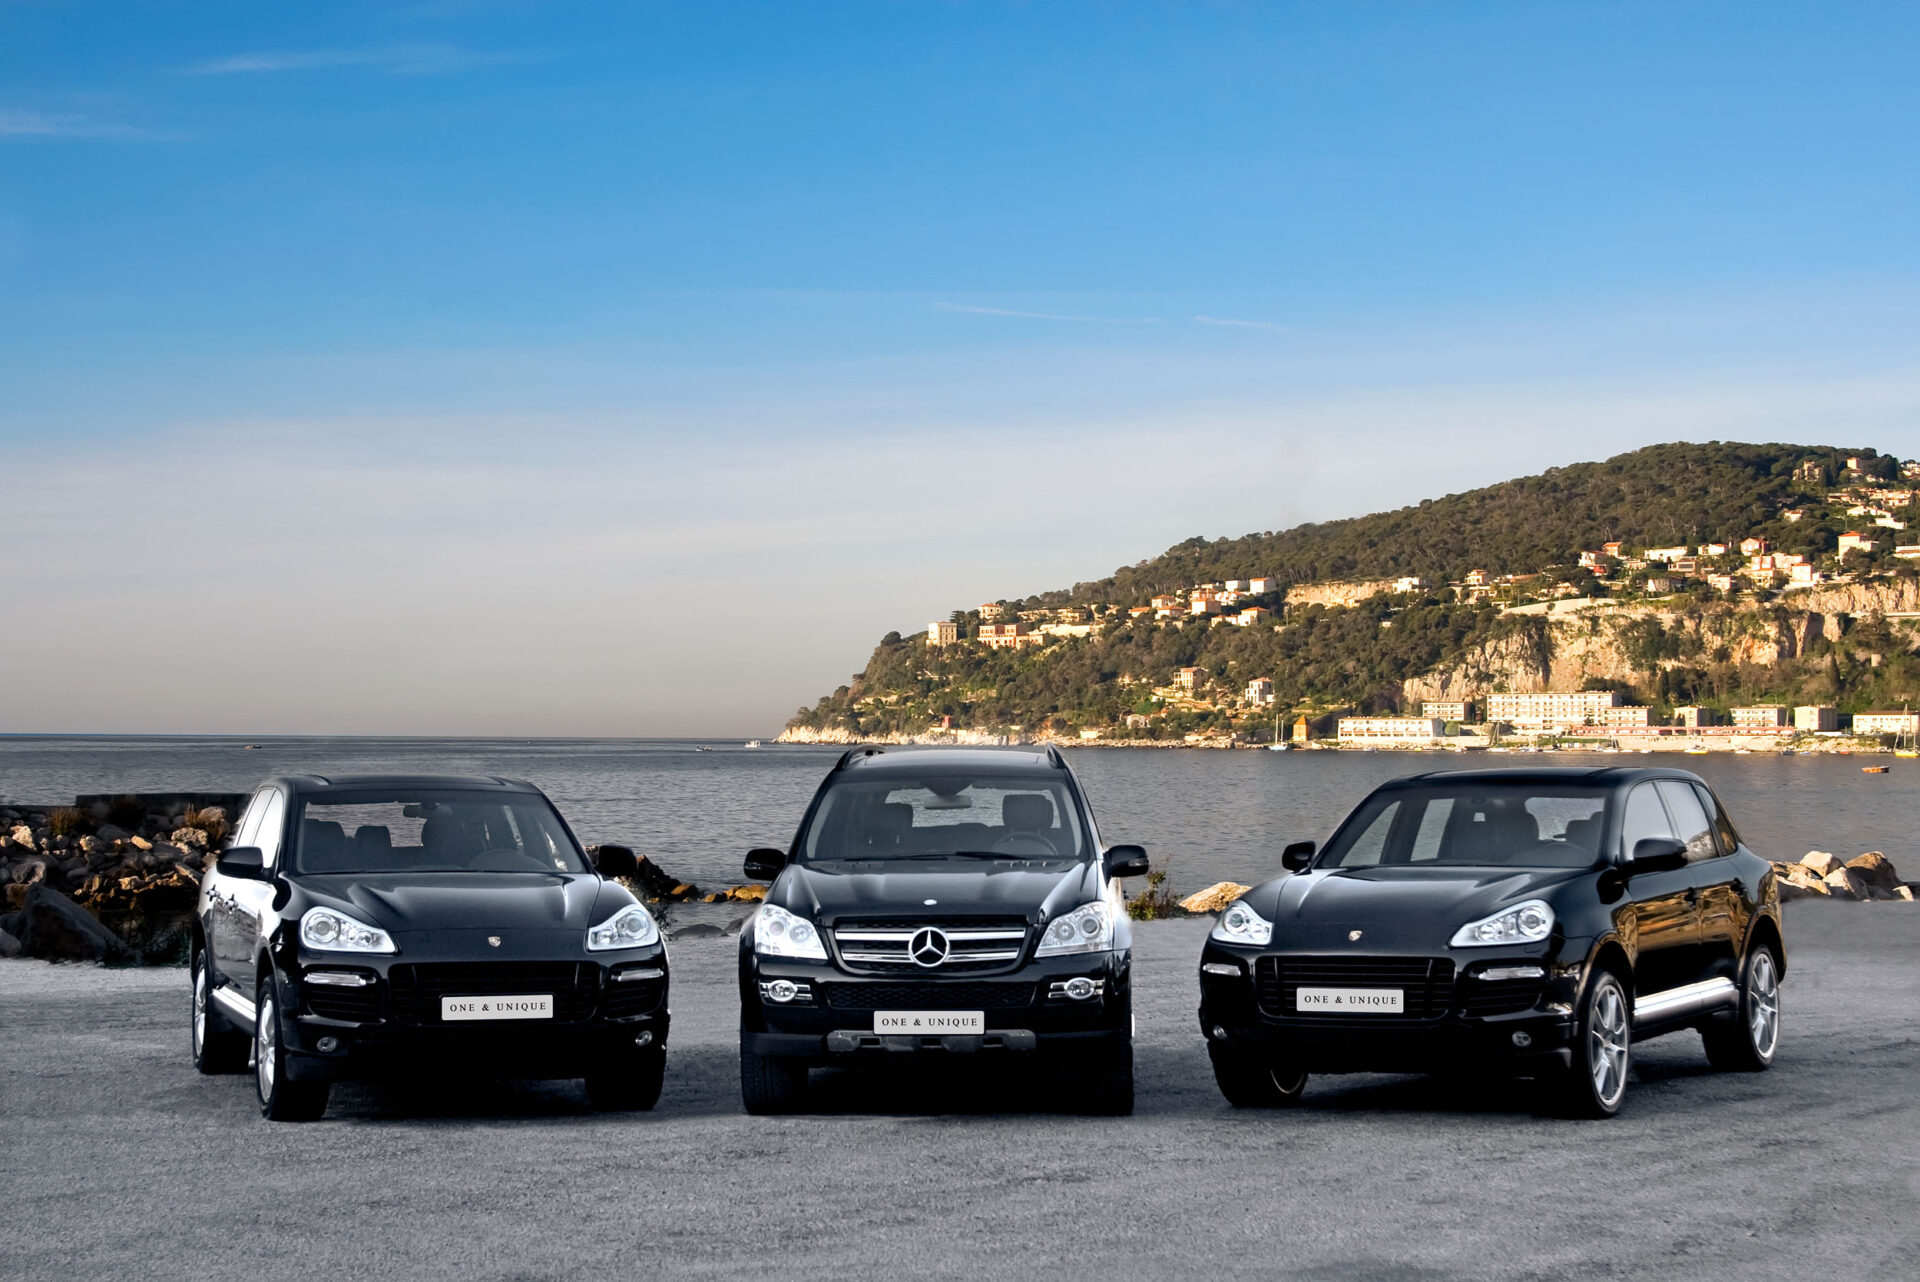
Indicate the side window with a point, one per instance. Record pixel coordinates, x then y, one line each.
272 819
1432 830
1729 839
1371 844
1644 817
1689 819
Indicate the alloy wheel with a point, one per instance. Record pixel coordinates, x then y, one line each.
1763 1004
1607 1044
267 1039
199 1007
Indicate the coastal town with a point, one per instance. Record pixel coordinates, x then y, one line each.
1854 538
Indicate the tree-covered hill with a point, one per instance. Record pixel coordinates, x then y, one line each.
1118 681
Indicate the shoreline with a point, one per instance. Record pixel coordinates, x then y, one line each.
1683 745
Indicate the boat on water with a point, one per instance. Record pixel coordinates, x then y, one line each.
1696 752
753 743
1873 770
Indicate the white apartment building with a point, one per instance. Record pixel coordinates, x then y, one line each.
942 632
1538 711
1259 586
1765 716
1382 731
1901 723
1260 691
1625 715
1448 709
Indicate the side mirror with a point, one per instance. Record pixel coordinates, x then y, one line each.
616 861
245 863
1657 854
1296 857
764 863
1126 861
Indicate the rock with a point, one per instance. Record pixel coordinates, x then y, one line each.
17 894
187 871
1904 892
1791 890
1214 898
699 930
683 890
112 832
91 845
747 894
28 871
55 928
75 870
140 843
9 946
189 837
733 927
1821 862
22 835
1877 869
1845 883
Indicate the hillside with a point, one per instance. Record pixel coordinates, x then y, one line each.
1455 597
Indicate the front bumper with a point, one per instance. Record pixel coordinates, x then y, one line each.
384 1012
1019 1009
1457 1022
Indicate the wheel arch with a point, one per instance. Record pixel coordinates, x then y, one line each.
1766 930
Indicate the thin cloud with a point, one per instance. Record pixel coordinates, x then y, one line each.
972 310
395 60
1231 323
52 125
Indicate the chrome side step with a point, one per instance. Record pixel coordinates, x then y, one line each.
1688 999
235 1005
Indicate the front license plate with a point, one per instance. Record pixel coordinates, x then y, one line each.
929 1023
1351 1001
516 1007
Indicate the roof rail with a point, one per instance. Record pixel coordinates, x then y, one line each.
848 757
1055 758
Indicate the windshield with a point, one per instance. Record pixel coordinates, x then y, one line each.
895 818
431 830
1518 825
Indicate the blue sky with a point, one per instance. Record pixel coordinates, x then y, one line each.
834 317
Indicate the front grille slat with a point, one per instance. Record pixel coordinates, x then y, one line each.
417 989
975 943
928 996
1499 996
1427 983
356 1005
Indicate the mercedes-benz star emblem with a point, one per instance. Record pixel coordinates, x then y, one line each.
1353 936
494 940
928 947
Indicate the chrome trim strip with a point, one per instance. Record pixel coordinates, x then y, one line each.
1687 999
1221 968
903 936
339 979
1509 972
640 972
236 1005
901 959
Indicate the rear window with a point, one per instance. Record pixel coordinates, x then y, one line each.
1521 825
432 831
1027 818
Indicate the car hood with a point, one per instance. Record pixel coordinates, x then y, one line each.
1397 907
409 903
1034 889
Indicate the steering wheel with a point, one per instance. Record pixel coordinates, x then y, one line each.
1025 844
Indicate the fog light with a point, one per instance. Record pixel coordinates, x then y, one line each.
1523 1040
1219 1033
643 1039
327 1045
1080 988
1221 968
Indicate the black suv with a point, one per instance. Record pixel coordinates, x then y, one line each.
1532 921
361 921
940 902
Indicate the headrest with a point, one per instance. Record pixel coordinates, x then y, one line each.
373 838
1027 813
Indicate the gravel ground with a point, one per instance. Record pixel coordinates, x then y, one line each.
121 1161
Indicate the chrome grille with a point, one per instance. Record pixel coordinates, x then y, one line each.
972 944
928 996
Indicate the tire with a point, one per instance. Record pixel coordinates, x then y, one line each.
770 1084
216 1045
1602 1051
1107 1089
1746 1043
281 1098
1249 1083
627 1082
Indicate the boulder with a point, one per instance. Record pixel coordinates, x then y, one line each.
1821 862
140 843
699 930
55 928
189 837
17 894
1791 890
92 845
747 894
22 835
1845 883
112 832
1214 898
1904 892
28 871
9 946
1877 869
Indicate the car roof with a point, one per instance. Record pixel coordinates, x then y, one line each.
310 785
874 761
1593 776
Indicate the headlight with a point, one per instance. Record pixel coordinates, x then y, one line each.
1526 923
1087 929
327 931
1241 925
779 933
631 927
